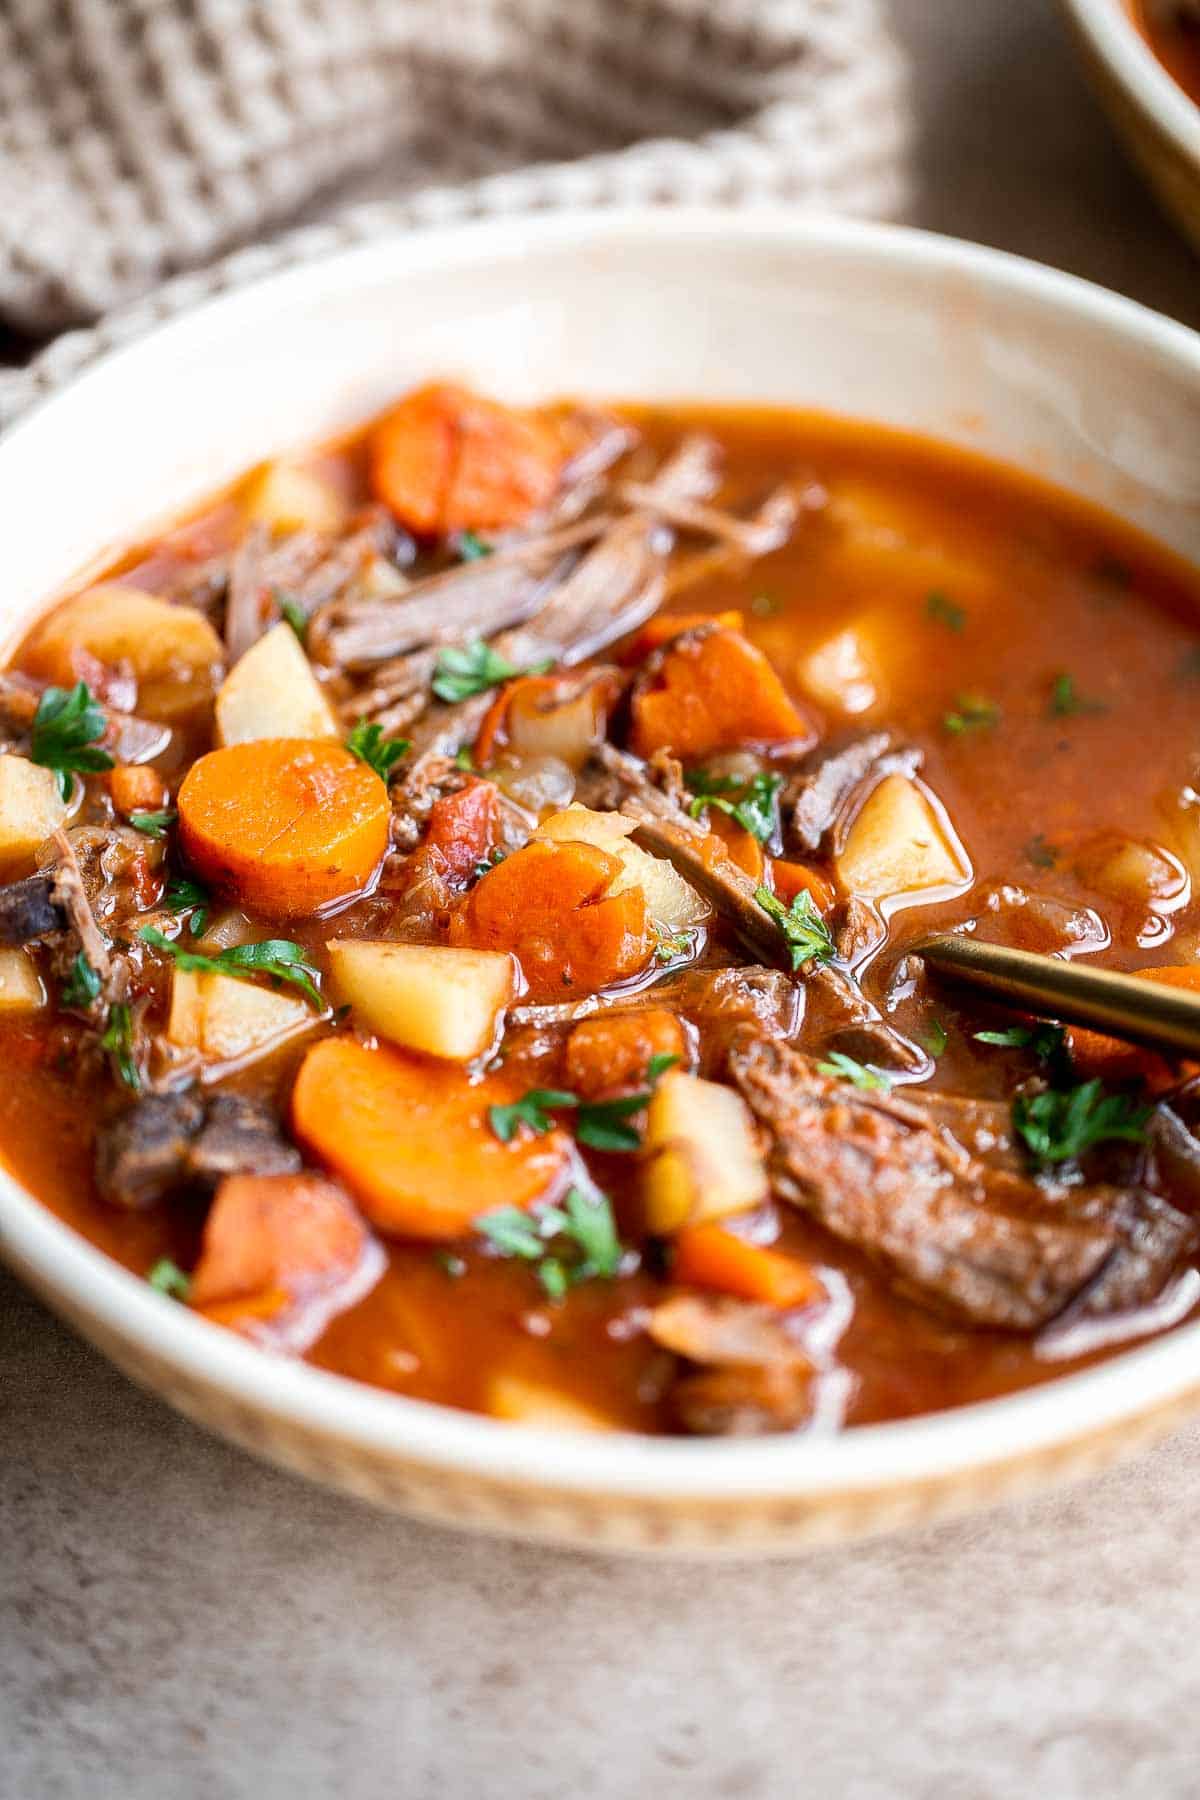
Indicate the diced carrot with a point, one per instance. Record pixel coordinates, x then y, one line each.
283 825
711 1256
742 846
716 693
549 905
279 1252
790 879
664 626
445 459
410 1138
464 829
614 1051
136 787
1094 1053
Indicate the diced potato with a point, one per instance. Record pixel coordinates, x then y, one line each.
1138 873
289 498
436 999
670 900
21 988
31 807
226 1019
173 650
838 674
702 1158
272 693
900 845
525 1402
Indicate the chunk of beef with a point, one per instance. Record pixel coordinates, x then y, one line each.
819 793
732 997
986 1246
170 1142
29 910
747 1375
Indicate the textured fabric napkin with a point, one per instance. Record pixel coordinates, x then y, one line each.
140 138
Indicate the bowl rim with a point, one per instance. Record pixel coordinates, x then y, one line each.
70 1272
1112 33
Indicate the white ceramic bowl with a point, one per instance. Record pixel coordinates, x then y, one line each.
886 325
1158 122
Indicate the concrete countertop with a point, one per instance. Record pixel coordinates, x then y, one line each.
177 1619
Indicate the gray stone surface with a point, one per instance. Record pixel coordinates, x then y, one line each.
177 1620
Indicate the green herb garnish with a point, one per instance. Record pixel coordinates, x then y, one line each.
1062 1123
1065 702
67 727
1046 1041
166 1277
845 1068
935 1039
754 803
975 712
470 547
1041 854
118 1041
368 743
277 958
82 985
668 946
600 1124
945 611
807 936
583 1225
474 669
532 1109
465 760
154 824
294 614
184 895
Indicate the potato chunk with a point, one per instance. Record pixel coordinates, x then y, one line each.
272 693
21 987
702 1157
900 845
670 900
31 807
433 998
288 498
838 674
173 650
525 1402
226 1019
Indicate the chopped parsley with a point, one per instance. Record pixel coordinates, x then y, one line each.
184 895
82 985
465 760
470 547
1048 1042
844 1068
1065 702
154 824
1062 1123
293 614
475 668
754 803
805 932
668 946
945 611
368 743
974 712
166 1277
277 958
935 1039
574 1242
118 1041
67 727
1041 854
600 1124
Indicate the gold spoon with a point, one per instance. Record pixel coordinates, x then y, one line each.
1143 1012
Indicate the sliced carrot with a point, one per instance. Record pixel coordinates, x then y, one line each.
1094 1053
445 459
710 1256
136 787
549 905
741 845
464 829
279 1252
410 1138
715 693
614 1051
664 626
283 825
790 879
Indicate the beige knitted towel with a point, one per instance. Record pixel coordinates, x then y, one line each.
139 138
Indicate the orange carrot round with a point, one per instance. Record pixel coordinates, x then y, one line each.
710 1256
715 693
549 905
664 626
284 826
410 1138
445 459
